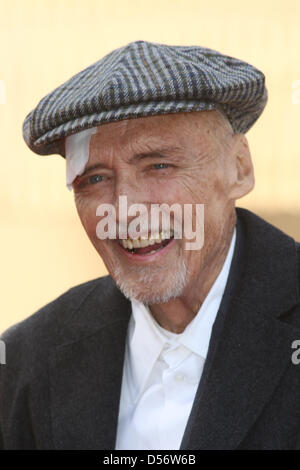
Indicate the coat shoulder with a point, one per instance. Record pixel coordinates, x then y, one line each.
28 340
29 348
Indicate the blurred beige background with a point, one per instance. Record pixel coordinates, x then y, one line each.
44 250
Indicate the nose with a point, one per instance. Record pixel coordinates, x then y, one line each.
128 191
125 186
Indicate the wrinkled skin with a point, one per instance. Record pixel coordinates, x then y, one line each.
206 163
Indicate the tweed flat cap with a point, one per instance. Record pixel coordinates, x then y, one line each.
146 79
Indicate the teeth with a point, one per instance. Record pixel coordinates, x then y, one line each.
145 241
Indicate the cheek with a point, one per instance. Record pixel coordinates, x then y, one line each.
219 184
89 220
198 184
160 190
87 214
215 188
183 188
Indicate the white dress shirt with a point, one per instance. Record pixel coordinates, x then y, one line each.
162 371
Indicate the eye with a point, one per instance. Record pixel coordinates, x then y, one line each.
159 166
95 179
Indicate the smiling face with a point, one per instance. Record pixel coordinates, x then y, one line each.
184 158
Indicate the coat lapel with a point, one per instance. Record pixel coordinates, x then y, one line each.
86 374
250 346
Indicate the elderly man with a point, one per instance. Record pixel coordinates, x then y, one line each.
176 348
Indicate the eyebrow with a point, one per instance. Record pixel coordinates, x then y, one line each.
93 167
160 152
163 152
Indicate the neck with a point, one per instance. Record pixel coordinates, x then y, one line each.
177 313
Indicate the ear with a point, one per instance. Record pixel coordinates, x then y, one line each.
242 174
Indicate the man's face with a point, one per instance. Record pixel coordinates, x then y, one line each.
183 158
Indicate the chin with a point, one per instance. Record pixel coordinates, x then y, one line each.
151 286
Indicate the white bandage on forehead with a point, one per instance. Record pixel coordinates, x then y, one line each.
77 148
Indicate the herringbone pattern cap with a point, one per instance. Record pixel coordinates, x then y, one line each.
145 79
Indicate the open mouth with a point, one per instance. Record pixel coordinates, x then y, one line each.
146 245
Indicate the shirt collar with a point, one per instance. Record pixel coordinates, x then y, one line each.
147 338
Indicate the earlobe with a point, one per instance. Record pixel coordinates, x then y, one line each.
243 181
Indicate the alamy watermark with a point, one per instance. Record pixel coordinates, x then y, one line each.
296 354
174 220
2 352
2 92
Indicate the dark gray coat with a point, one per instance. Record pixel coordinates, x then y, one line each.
60 386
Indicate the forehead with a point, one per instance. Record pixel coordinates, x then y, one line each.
146 133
